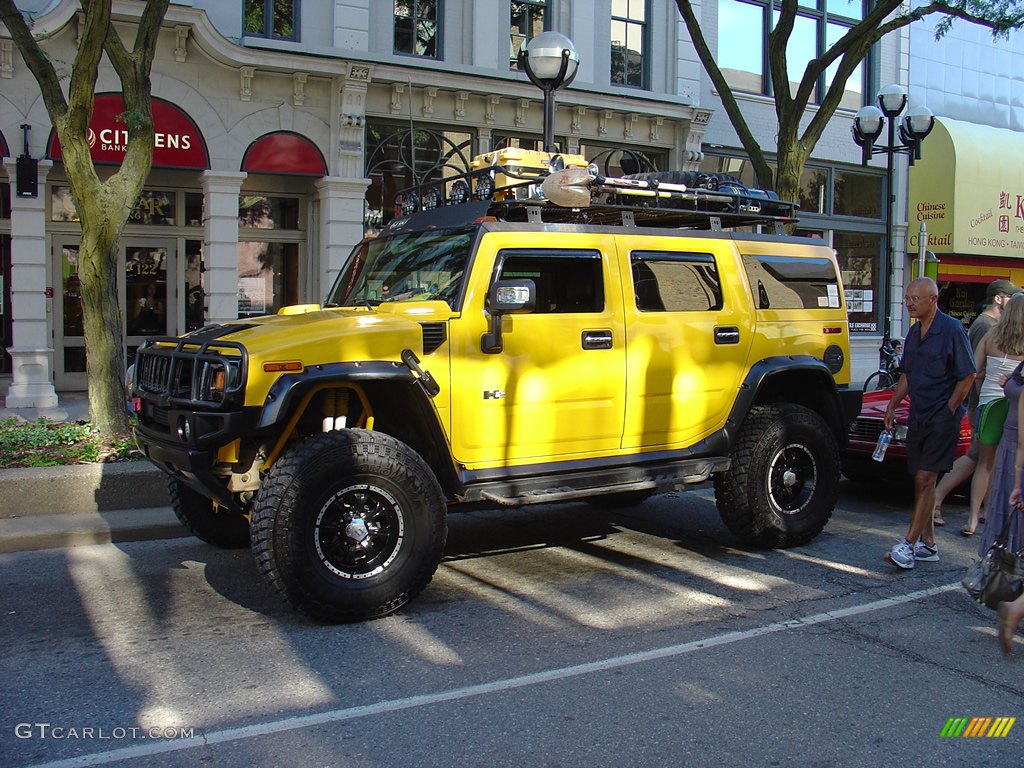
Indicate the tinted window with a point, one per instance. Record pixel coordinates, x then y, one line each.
675 282
783 282
567 281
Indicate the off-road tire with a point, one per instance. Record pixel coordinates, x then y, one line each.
349 525
784 480
204 520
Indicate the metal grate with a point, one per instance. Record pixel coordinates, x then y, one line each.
184 374
434 335
866 428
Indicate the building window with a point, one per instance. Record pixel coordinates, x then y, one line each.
153 207
416 27
629 43
397 158
857 253
257 211
270 236
529 18
619 161
742 53
268 277
276 19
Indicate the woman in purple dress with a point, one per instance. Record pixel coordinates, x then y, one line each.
1005 497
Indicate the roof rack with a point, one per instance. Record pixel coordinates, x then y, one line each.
526 185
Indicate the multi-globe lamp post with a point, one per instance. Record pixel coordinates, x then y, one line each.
868 125
551 62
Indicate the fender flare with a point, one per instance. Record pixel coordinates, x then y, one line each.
837 405
288 392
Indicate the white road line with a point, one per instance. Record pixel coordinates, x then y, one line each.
396 705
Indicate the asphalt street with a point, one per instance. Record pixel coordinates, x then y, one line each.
551 636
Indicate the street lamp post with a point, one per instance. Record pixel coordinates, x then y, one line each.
867 128
551 62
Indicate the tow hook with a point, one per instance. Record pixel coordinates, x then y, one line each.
426 381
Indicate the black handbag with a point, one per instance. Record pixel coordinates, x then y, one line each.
999 576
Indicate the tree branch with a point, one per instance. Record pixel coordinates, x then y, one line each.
761 168
85 68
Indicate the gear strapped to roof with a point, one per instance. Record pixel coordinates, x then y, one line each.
526 185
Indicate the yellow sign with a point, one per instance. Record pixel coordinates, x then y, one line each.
968 189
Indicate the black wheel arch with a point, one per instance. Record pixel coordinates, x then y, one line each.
799 379
401 406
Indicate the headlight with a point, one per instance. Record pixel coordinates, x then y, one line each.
900 432
217 379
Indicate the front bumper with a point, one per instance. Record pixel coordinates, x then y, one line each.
193 461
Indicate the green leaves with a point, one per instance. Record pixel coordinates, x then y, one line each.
53 444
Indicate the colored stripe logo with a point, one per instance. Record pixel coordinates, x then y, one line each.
977 727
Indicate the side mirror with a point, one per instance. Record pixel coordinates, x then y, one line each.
506 297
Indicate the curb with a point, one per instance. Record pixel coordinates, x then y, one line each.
24 534
49 507
81 488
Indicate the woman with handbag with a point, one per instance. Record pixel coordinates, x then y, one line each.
997 356
1004 510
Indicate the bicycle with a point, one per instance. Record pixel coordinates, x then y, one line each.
888 372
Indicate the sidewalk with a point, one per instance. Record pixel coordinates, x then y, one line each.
48 507
71 406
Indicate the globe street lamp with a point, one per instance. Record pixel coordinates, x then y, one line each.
867 128
551 62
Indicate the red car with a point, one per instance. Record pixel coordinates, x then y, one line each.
862 435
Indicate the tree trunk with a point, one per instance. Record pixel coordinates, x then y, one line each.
791 167
102 331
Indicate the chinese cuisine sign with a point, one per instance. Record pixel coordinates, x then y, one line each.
966 193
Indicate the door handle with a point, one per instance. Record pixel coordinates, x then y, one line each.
727 334
597 339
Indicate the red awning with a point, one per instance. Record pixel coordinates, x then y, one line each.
286 153
179 144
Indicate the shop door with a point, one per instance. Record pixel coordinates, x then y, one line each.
149 296
148 305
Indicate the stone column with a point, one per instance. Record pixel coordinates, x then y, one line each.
341 225
220 249
32 352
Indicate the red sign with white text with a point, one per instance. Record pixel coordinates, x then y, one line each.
178 143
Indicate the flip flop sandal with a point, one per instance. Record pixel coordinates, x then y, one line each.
938 521
966 532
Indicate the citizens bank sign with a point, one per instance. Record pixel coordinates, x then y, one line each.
177 143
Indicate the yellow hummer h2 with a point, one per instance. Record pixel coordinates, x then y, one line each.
556 336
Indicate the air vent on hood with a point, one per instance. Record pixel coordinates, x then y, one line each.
434 335
211 332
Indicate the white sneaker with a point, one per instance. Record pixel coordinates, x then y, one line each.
902 555
925 553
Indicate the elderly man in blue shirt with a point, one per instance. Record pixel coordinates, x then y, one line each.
938 371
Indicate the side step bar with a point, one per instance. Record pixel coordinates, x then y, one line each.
566 487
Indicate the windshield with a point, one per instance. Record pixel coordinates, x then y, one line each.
419 266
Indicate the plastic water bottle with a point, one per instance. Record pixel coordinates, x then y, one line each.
883 443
